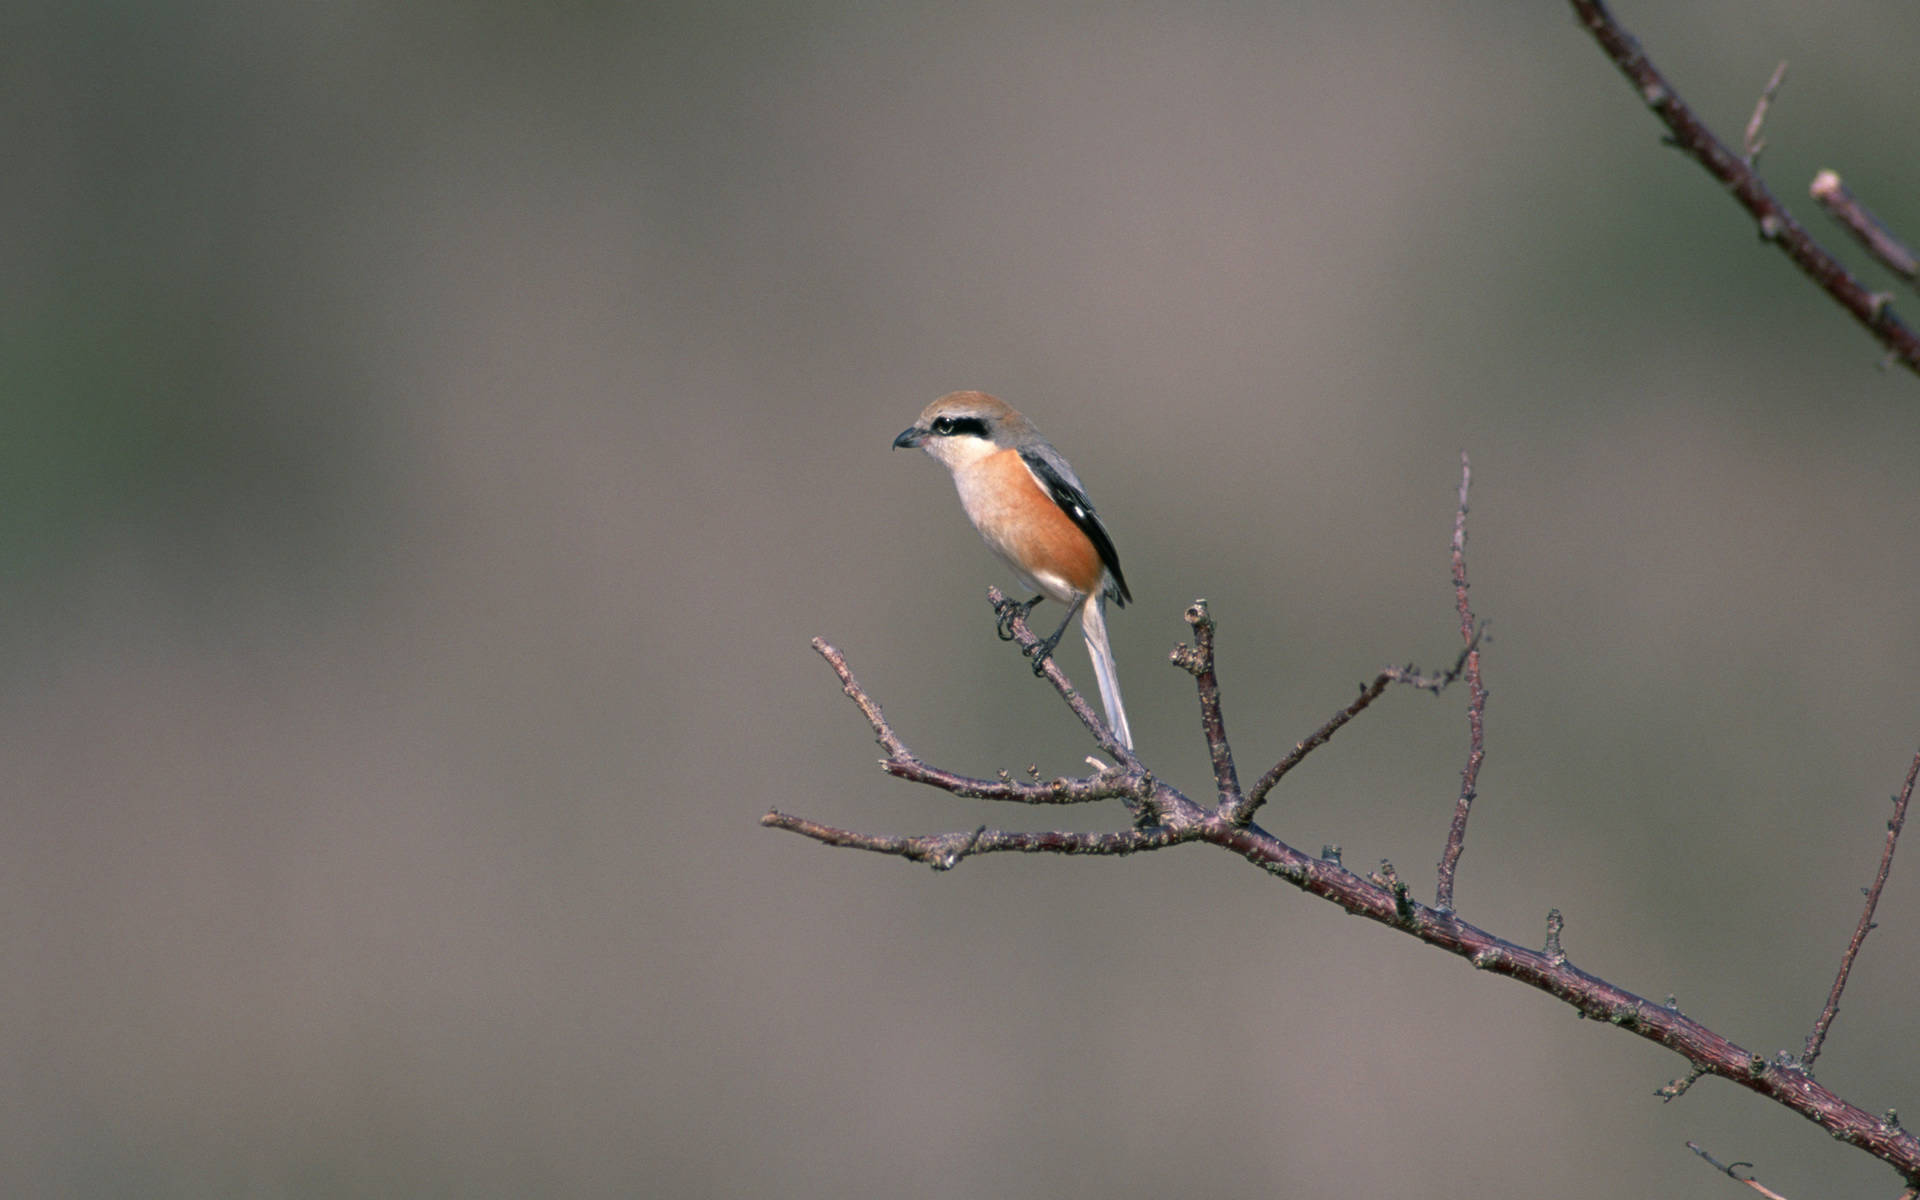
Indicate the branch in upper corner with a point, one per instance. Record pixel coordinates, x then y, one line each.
1776 224
1476 703
1866 228
1894 824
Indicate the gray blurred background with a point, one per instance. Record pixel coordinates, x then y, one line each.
434 432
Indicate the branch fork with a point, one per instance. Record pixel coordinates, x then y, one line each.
1162 816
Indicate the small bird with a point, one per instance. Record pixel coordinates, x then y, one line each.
1031 509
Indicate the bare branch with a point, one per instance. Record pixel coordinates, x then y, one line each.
1385 899
1369 692
1163 817
902 763
1476 703
1013 619
1894 824
1866 228
944 851
1776 224
1594 998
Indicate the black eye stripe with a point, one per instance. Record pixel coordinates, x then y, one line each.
960 427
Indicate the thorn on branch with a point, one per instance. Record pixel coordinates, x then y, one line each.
1753 142
1676 1088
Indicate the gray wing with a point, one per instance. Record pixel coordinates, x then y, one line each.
1058 478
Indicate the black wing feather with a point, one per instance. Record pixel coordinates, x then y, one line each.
1075 504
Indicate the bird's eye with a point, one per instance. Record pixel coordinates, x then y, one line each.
943 424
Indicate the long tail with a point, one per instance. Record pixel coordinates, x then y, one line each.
1093 623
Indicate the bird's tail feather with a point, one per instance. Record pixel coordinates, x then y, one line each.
1093 623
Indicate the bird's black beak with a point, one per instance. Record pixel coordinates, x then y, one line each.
909 438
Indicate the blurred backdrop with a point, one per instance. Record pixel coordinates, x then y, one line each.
435 431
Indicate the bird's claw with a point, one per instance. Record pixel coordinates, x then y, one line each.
1015 610
1041 653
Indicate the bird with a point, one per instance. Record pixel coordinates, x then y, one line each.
1031 510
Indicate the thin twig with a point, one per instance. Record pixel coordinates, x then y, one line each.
1368 694
1198 662
1867 229
944 851
1894 823
1753 142
1730 1171
1476 703
1014 620
1776 224
1414 678
902 763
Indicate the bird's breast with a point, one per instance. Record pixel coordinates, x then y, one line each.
1026 528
